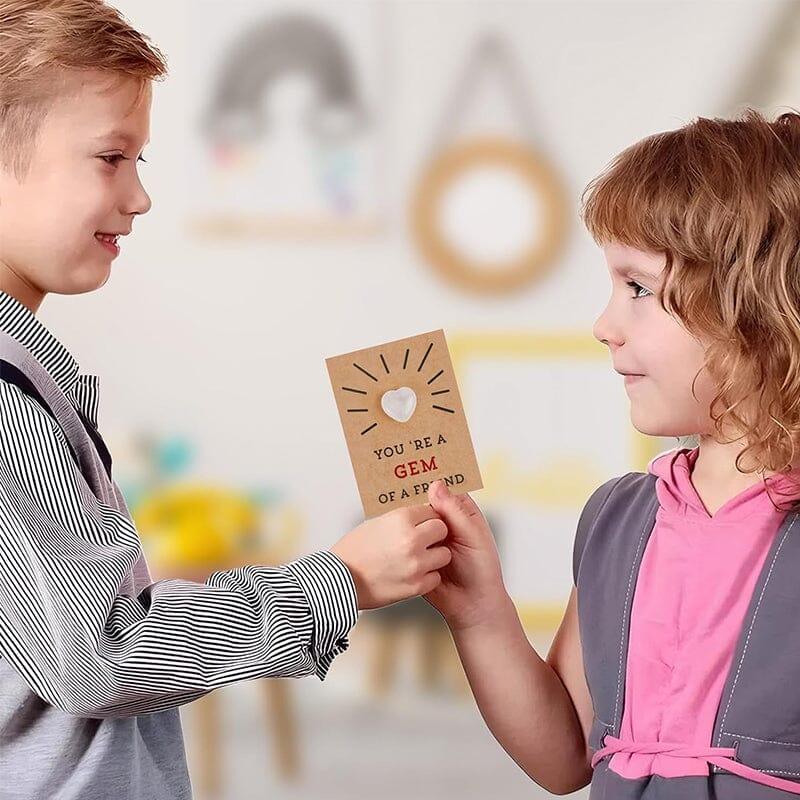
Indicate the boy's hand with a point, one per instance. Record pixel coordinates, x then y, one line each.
395 556
471 589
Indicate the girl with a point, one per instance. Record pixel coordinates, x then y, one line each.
674 672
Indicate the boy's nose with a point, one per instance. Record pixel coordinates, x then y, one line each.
142 203
138 202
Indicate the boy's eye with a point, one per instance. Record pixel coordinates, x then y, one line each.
637 287
115 158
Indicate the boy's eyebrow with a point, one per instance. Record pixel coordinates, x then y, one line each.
117 134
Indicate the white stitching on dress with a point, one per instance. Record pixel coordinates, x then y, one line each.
750 629
625 612
776 771
765 741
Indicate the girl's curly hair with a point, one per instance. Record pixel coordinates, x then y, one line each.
720 198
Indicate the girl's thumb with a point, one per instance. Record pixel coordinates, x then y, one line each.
452 507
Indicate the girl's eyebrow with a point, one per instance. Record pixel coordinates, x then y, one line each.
633 272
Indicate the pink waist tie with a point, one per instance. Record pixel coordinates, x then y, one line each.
722 757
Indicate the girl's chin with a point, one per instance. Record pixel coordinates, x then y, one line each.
650 425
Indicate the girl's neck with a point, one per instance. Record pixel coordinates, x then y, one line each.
715 476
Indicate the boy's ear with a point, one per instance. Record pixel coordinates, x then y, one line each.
7 179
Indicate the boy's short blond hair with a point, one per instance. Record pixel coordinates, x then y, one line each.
721 199
45 47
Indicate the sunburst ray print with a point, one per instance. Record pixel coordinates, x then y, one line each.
403 420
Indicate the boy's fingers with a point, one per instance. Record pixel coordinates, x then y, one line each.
420 514
432 531
430 582
437 557
453 508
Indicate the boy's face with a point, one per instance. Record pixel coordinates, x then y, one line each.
83 181
646 341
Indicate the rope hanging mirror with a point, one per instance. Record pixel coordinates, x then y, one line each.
771 81
532 208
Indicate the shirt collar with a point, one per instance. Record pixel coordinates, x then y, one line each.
18 322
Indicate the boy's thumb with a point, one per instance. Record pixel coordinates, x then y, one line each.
452 507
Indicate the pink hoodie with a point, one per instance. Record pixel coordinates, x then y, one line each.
696 580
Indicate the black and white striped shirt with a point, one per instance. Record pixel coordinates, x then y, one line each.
69 632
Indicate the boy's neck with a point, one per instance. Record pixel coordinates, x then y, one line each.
22 291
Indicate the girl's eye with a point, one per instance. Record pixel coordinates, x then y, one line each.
637 287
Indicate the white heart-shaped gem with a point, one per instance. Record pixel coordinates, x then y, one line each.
399 404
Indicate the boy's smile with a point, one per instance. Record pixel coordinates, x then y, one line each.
657 355
59 226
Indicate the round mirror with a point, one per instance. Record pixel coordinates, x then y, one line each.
489 215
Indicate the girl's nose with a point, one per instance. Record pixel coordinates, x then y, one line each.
605 331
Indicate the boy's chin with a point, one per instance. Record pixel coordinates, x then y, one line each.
86 281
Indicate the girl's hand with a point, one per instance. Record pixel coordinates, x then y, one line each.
471 591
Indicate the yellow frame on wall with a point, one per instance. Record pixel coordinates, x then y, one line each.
557 345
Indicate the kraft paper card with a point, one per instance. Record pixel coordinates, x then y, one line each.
403 421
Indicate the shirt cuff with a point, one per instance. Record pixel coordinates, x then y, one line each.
331 593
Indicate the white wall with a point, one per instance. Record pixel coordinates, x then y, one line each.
227 342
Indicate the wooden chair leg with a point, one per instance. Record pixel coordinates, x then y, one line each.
384 657
282 726
456 668
206 711
429 656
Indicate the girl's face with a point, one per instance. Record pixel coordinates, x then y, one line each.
83 181
659 357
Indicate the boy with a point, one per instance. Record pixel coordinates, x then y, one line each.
94 658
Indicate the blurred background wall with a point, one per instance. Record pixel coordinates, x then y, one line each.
292 146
